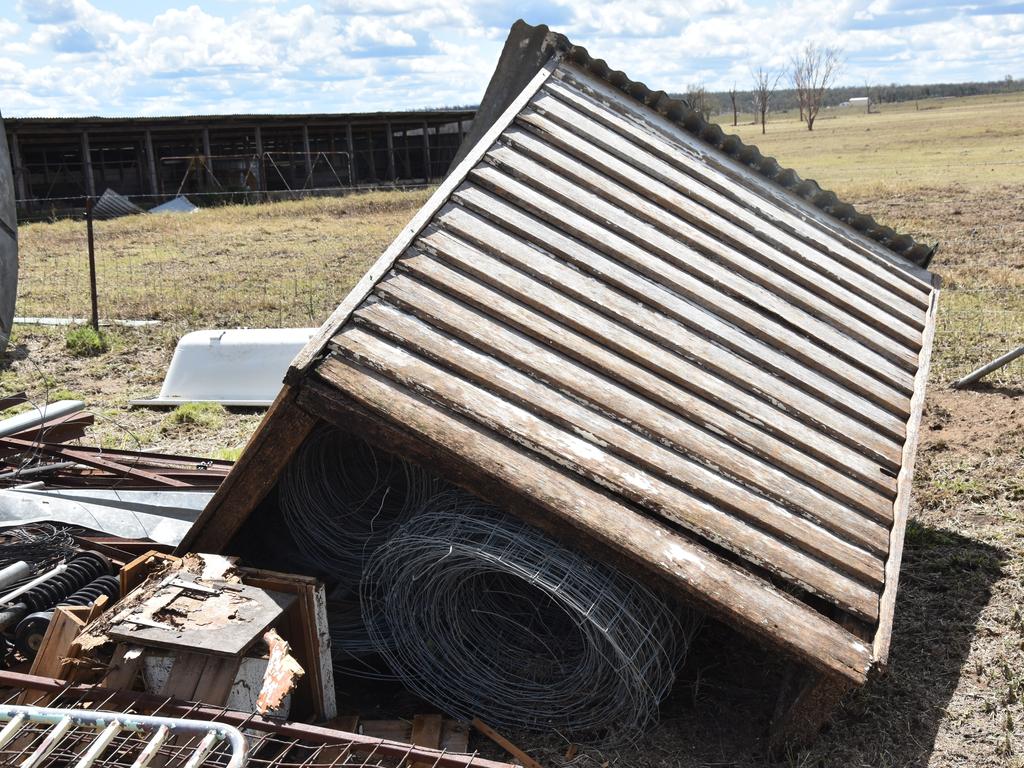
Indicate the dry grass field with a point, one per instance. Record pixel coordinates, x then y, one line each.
948 170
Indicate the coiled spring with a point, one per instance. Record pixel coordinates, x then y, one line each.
91 592
82 570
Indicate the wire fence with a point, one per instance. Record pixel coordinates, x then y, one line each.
290 264
975 326
285 264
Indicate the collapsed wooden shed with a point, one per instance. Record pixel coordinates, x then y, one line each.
637 333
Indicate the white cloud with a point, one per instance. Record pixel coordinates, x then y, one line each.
74 56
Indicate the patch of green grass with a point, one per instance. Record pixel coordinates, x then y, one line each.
201 415
86 341
227 454
63 393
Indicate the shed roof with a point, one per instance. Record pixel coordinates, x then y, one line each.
620 331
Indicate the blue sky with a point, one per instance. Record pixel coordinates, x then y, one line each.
170 57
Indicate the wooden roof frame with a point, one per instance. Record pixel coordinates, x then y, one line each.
750 604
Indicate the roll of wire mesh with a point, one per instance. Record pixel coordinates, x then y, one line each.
487 617
353 650
340 499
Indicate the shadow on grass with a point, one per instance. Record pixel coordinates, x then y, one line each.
14 353
720 712
945 582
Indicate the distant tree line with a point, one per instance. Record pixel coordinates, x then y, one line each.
785 99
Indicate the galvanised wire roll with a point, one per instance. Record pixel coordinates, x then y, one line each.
485 616
353 651
341 498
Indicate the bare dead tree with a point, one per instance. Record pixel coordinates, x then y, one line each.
700 100
765 83
735 112
867 92
813 72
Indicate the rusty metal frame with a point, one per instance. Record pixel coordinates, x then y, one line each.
372 751
106 727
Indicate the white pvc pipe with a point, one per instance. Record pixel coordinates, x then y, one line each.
36 416
11 596
14 573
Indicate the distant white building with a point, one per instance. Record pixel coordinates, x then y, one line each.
857 101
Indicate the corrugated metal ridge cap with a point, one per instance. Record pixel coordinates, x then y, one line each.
679 112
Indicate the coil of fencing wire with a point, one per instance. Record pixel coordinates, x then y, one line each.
341 498
354 651
487 617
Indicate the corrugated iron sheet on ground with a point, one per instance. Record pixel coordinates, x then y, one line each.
112 205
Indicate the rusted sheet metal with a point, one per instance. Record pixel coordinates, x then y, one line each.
608 317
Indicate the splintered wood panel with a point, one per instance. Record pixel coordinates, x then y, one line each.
613 323
225 620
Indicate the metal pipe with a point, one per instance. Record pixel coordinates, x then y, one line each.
37 469
11 729
98 746
203 751
64 719
11 596
36 416
985 370
61 725
14 573
151 749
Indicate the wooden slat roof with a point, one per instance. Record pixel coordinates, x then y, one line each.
627 327
605 324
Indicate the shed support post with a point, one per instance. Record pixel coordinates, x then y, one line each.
261 183
21 183
351 149
371 160
426 151
208 159
309 157
391 153
154 186
90 181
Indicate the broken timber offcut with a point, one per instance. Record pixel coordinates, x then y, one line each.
638 334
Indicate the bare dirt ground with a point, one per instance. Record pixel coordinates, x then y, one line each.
953 693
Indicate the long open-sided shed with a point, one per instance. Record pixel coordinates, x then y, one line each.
634 331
